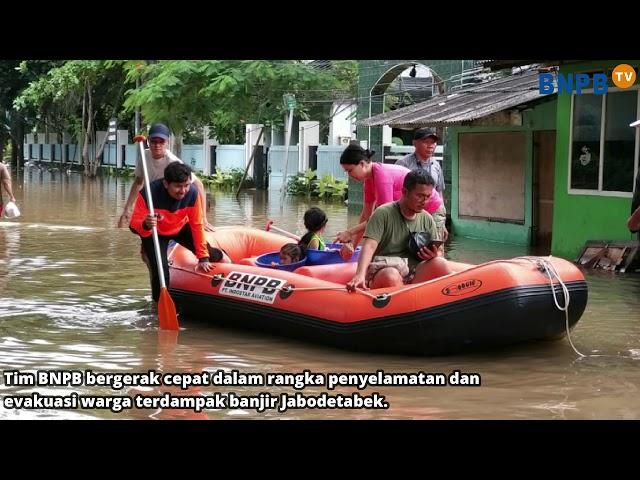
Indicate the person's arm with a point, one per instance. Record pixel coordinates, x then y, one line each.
203 202
196 224
6 182
354 234
350 233
367 210
139 219
635 201
445 234
125 218
368 249
441 186
633 223
314 244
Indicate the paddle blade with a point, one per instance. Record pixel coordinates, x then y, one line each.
167 341
167 311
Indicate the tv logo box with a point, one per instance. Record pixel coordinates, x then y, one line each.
623 76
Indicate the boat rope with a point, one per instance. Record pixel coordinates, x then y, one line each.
545 263
438 279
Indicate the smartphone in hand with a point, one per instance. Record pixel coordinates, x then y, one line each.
434 244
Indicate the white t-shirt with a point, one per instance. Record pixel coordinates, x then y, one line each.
155 167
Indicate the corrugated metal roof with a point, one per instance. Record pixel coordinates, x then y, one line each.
499 64
464 105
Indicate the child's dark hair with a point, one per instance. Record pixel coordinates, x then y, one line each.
295 251
354 154
314 220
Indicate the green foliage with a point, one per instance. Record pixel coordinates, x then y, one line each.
329 187
227 94
169 92
124 172
397 141
307 184
302 183
54 98
226 179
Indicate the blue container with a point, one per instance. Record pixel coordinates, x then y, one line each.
268 258
330 256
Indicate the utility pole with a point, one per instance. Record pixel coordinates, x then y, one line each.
290 102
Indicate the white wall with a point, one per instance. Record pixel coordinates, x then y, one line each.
252 131
122 138
308 134
341 125
386 135
206 149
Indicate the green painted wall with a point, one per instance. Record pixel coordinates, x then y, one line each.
578 218
540 117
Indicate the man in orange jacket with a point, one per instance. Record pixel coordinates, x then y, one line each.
178 217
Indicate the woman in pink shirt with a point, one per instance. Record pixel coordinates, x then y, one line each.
382 184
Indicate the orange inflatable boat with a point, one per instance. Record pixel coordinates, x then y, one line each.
486 306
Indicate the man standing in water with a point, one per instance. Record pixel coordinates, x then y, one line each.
425 142
157 158
178 217
5 178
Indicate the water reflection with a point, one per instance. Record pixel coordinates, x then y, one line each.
74 295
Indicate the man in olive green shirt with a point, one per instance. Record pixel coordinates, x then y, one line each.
385 259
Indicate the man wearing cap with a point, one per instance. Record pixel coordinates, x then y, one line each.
178 217
425 142
157 158
633 223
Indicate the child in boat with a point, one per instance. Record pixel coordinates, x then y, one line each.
289 253
314 220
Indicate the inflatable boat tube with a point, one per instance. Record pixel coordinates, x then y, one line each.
495 304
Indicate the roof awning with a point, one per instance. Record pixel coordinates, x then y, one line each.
464 105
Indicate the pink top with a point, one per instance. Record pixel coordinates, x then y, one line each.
434 202
385 186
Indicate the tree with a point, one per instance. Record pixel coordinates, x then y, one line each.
70 97
226 94
14 77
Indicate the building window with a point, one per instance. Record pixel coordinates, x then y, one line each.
604 151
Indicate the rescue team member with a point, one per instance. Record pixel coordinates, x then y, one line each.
178 217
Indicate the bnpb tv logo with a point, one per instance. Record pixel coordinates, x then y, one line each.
623 76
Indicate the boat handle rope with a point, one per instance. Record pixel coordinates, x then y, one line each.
379 297
548 267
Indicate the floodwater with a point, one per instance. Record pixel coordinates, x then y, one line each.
74 296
